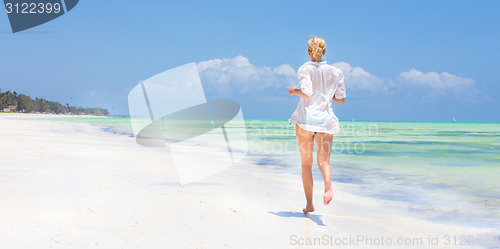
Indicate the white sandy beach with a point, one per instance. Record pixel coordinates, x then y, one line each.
72 185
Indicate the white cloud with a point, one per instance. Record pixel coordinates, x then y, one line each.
239 73
357 79
437 80
440 84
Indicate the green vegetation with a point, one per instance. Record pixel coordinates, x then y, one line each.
13 102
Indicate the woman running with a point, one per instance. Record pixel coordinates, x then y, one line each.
314 120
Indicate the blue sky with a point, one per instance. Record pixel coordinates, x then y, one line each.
403 60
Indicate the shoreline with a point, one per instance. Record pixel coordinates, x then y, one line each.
283 120
72 184
55 115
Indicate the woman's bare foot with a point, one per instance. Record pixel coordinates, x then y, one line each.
328 196
308 209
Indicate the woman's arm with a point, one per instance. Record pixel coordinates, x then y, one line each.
340 91
340 101
294 91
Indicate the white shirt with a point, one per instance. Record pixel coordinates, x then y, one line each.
320 82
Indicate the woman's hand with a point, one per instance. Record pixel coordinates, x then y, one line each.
339 101
294 91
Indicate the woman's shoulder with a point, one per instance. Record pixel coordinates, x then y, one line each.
306 68
333 69
310 65
307 65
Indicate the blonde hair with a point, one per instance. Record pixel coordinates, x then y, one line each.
317 47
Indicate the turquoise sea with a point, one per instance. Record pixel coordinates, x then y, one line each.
446 172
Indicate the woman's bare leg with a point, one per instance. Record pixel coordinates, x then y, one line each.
305 140
323 149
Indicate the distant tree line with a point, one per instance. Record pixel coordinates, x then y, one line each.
24 103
